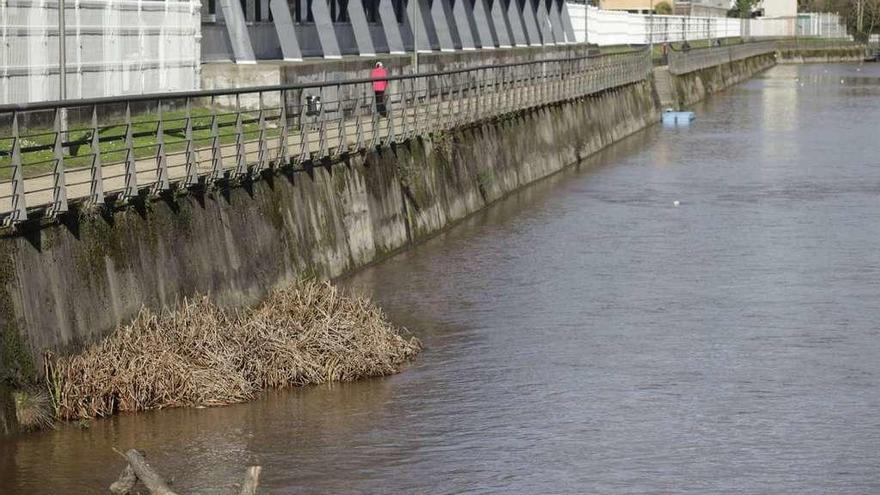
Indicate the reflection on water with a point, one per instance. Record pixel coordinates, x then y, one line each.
585 336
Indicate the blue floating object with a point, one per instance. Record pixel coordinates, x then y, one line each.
671 117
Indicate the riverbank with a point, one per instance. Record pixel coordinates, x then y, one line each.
808 55
67 285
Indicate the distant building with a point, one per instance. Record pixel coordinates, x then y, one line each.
779 8
634 6
703 8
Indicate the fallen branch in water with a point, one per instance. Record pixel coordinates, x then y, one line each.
138 469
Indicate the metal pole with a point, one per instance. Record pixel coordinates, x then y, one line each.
62 69
651 32
62 53
586 13
415 25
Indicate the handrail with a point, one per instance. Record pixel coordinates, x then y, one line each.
98 147
694 59
700 58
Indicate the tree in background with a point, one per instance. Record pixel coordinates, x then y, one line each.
743 8
663 8
862 16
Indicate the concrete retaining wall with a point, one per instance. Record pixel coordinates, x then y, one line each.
67 284
805 56
690 88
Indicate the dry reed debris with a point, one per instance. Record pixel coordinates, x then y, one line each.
33 409
203 355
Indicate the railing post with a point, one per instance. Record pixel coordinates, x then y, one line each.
59 185
322 127
19 207
469 110
404 108
131 183
358 121
533 88
502 89
459 99
162 182
447 89
341 133
390 135
282 138
216 149
96 187
192 165
305 152
421 108
240 145
478 95
263 153
374 121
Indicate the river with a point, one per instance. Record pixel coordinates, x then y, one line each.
585 335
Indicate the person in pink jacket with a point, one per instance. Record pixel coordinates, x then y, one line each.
380 84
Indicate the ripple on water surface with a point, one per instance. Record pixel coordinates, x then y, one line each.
586 336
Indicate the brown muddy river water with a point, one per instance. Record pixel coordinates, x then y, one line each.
586 336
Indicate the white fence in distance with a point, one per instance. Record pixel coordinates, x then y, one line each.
611 27
113 47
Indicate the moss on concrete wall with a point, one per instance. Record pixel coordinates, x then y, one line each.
693 87
821 55
91 271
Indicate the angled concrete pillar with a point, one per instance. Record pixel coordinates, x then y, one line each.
284 29
233 16
419 25
326 31
469 7
544 24
461 12
514 19
499 24
425 9
361 29
556 22
566 23
390 27
250 10
531 23
442 25
485 31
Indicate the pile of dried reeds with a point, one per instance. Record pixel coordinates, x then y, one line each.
202 355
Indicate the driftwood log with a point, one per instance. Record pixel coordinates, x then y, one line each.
139 470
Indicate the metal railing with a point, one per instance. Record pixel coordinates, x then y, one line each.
52 153
685 61
809 43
